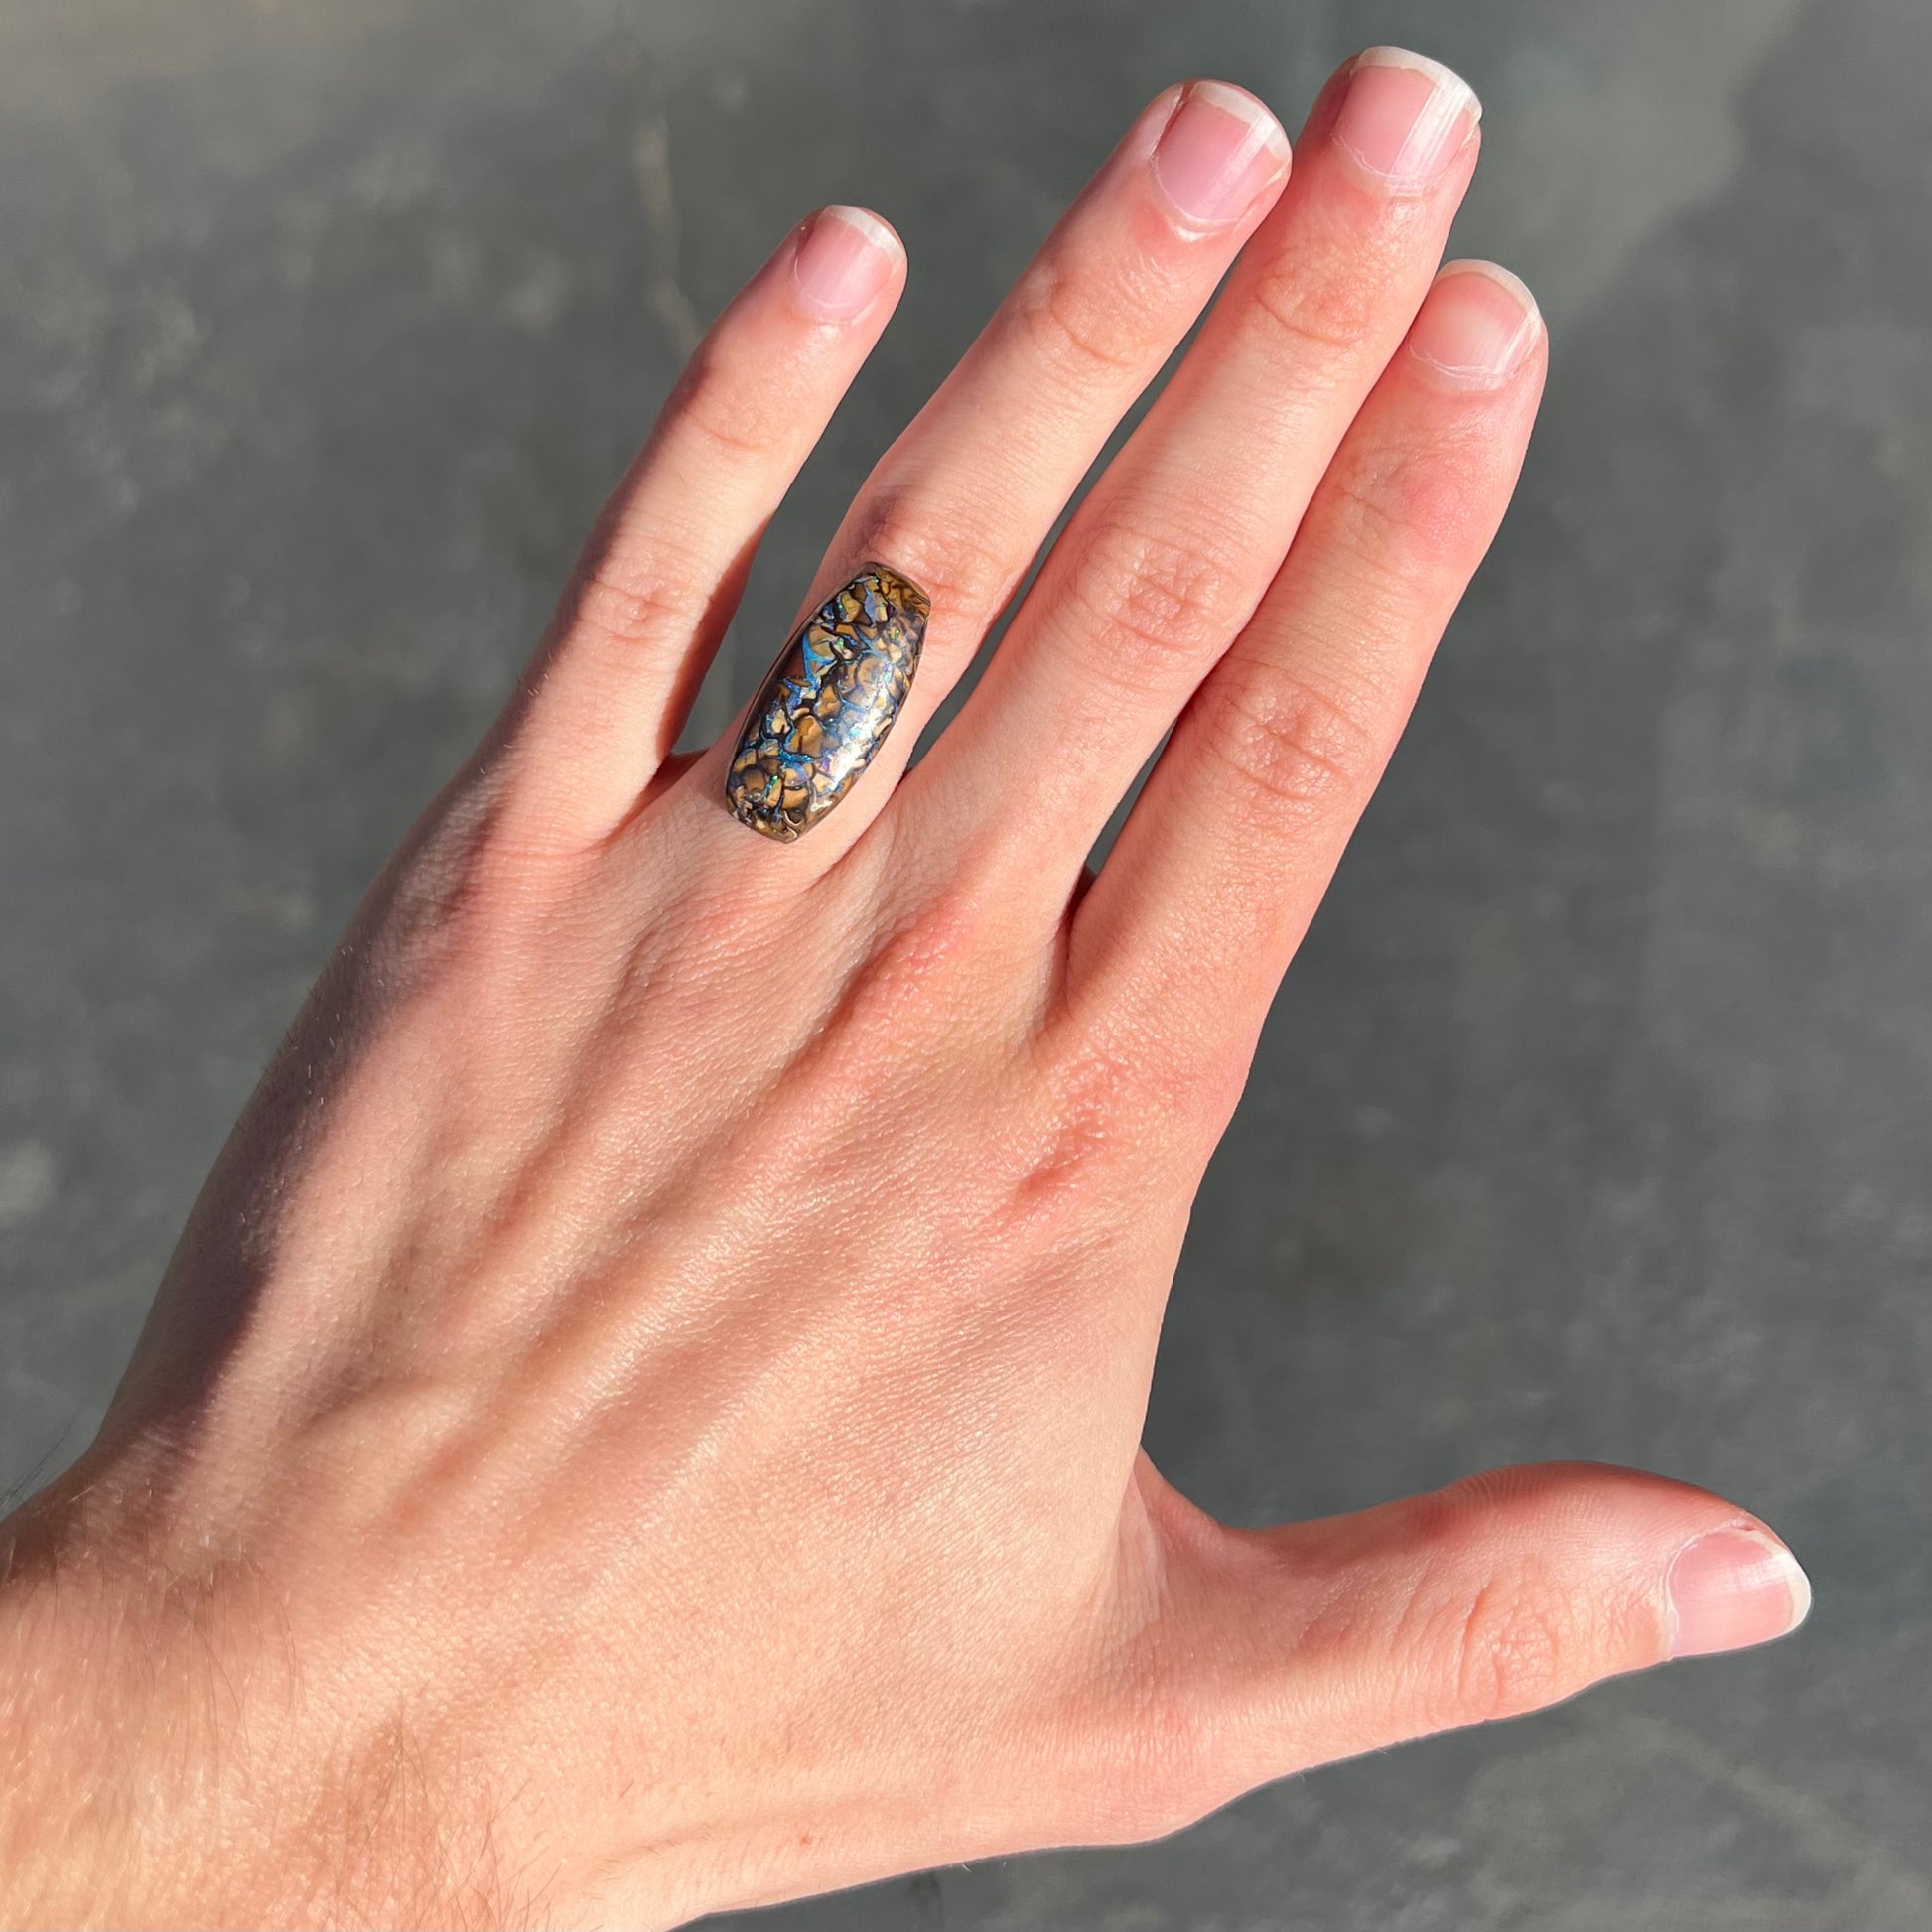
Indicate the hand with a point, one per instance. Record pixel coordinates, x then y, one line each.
645 1414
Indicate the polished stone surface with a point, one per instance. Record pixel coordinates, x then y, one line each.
1593 1120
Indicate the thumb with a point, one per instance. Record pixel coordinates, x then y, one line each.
1284 1648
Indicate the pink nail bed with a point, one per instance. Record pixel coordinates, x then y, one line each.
843 259
1476 327
1729 1588
1217 153
1405 117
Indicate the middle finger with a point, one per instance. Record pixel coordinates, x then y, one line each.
1175 545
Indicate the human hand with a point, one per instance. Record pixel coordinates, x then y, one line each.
646 1414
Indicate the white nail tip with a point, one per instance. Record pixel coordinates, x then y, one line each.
1800 1587
1242 107
1505 359
876 231
1456 92
1503 279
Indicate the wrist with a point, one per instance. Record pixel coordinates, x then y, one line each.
125 1736
63 1784
164 1761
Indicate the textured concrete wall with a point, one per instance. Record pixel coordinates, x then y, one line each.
1594 1120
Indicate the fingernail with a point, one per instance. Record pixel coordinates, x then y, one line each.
1478 326
1217 153
1729 1588
844 257
1405 117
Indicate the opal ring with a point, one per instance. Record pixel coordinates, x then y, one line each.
828 704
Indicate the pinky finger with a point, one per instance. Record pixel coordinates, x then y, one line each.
665 564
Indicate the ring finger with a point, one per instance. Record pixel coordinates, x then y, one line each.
963 501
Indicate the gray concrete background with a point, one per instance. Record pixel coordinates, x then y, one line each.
1594 1120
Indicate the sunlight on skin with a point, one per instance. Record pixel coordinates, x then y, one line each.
646 1414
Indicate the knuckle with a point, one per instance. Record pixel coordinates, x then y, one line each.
732 408
1364 513
1292 748
1112 1098
947 546
629 601
1079 328
1080 1146
1403 509
1073 1135
1174 603
1319 320
935 951
1515 1647
901 1001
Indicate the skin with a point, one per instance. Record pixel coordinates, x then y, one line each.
645 1414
